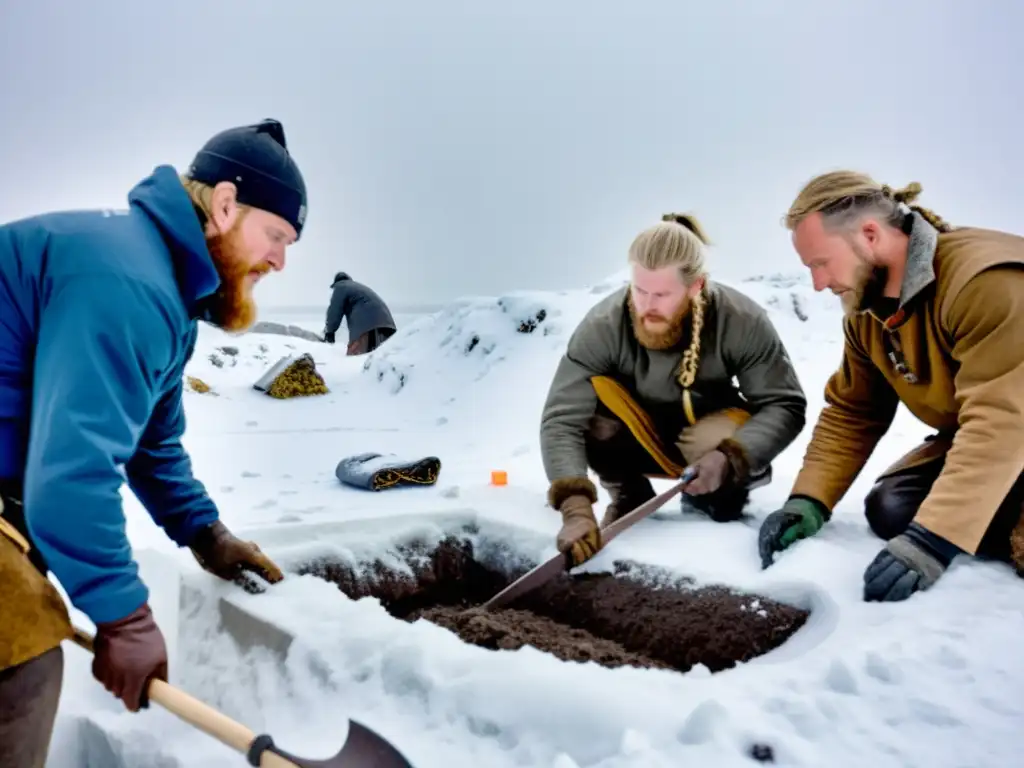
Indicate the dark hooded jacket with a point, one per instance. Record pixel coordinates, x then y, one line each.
362 306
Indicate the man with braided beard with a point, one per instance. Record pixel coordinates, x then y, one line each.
645 388
934 318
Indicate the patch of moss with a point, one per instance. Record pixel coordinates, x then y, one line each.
300 379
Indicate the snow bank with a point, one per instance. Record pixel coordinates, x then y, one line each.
478 337
487 361
470 339
441 357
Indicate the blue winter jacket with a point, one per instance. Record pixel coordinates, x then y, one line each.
98 317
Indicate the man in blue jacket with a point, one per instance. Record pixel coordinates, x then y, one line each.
98 318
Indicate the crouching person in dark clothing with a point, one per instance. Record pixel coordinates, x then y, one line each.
370 323
99 318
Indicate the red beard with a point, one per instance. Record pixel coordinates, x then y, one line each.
665 339
232 307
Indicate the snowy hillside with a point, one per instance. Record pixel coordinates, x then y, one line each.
929 682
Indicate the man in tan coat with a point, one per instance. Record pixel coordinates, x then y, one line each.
935 320
645 388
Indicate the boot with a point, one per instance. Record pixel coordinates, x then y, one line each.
726 504
723 506
626 496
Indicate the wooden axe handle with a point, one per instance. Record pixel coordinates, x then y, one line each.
200 715
648 507
559 563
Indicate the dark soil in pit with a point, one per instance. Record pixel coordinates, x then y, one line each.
637 616
512 628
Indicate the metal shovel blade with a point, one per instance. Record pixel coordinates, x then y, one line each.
363 749
561 562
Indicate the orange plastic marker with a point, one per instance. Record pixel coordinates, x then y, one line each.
499 477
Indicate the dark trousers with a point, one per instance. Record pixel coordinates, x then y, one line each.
29 695
622 465
894 500
30 691
369 341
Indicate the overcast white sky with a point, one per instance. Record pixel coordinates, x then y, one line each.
454 147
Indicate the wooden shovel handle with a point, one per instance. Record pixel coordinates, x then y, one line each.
200 715
648 507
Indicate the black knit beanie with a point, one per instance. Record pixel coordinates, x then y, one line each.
256 159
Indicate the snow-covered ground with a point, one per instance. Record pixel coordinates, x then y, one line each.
931 682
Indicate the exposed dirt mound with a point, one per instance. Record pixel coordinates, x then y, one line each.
637 616
511 628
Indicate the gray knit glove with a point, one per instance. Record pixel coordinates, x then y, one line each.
910 562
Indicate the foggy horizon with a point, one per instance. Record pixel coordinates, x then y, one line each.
455 149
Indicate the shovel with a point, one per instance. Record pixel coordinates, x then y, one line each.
362 749
562 562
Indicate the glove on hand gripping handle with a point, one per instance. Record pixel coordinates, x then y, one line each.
128 653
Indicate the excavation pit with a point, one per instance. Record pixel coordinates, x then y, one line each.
635 616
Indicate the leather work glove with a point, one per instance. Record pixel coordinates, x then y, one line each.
580 537
223 554
799 518
910 562
127 654
329 337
